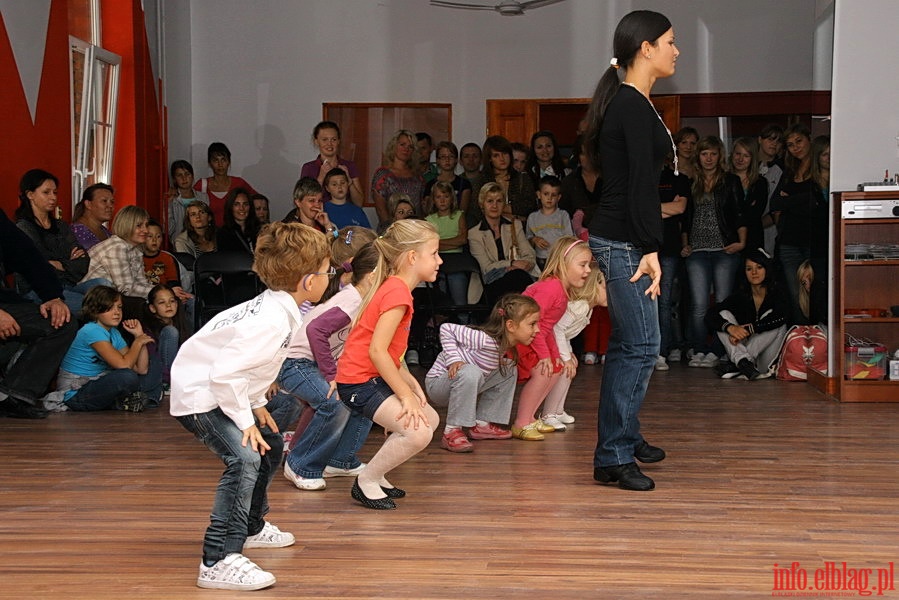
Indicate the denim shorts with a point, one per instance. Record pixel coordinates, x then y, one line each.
365 397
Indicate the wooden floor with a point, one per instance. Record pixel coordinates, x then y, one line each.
114 505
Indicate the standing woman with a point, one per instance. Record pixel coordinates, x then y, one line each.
326 137
744 163
626 136
217 187
686 139
398 174
544 158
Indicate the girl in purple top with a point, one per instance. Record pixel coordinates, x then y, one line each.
328 445
474 375
326 137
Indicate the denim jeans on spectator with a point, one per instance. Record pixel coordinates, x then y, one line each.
335 433
167 347
102 393
633 348
670 266
241 499
707 270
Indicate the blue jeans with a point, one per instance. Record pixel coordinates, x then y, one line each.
167 347
241 499
633 347
335 433
705 269
102 393
670 265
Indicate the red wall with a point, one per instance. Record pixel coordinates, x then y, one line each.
139 169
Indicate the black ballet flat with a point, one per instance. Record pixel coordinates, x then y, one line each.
376 504
394 492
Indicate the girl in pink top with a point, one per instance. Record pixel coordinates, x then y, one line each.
370 377
567 269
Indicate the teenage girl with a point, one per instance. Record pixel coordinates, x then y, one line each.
567 269
166 324
450 224
577 316
328 445
370 377
100 370
474 375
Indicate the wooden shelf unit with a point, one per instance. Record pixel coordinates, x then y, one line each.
861 284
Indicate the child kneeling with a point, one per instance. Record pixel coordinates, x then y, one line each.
219 380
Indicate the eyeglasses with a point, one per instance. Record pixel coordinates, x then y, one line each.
330 272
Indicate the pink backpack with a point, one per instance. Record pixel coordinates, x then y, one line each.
805 346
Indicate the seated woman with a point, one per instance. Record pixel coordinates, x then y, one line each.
751 322
398 174
240 228
198 235
54 239
507 260
120 260
399 206
517 187
91 213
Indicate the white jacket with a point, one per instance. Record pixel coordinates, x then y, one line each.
233 359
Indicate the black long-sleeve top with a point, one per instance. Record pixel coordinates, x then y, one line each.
18 254
770 315
633 144
754 206
57 244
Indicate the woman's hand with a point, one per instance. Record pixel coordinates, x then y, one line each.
734 248
686 250
77 252
649 265
737 333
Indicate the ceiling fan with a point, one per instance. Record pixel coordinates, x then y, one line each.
507 8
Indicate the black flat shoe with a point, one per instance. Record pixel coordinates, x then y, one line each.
17 409
376 504
748 370
628 477
394 492
648 454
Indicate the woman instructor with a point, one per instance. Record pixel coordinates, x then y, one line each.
627 138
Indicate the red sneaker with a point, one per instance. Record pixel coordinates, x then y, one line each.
455 441
489 432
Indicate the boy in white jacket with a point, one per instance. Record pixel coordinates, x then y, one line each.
219 380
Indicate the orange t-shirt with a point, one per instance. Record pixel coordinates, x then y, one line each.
354 365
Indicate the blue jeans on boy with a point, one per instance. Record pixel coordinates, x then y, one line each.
335 433
705 269
102 393
633 348
241 499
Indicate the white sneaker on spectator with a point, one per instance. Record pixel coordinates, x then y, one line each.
234 572
338 472
411 357
591 358
674 356
696 359
554 422
661 365
566 418
270 537
709 360
303 483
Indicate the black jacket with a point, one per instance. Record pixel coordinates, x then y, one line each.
729 204
19 255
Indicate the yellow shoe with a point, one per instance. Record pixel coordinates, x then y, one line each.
543 427
527 433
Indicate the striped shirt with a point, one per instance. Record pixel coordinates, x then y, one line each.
467 345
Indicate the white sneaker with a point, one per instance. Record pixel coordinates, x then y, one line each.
696 359
661 365
674 356
234 572
709 360
270 537
303 483
338 472
566 418
411 357
591 358
554 422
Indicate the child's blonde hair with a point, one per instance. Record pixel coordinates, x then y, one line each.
561 254
594 290
446 188
511 307
401 237
287 252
